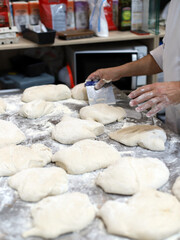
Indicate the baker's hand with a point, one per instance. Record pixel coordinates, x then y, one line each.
104 75
155 97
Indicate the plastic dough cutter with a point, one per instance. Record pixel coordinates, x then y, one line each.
102 95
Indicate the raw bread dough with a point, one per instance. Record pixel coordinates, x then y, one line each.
86 156
49 92
79 92
176 188
102 113
10 134
36 183
36 109
146 136
71 130
2 106
148 215
130 175
15 158
54 216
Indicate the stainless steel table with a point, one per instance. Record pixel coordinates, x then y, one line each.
15 214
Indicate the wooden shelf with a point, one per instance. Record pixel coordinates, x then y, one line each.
114 36
150 40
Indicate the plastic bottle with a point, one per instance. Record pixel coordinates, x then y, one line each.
124 20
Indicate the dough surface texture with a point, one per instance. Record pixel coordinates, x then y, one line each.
146 136
57 215
2 106
16 158
86 156
148 215
10 133
130 175
71 130
49 92
36 183
176 188
102 113
36 109
79 92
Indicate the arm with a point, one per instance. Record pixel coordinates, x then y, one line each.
144 66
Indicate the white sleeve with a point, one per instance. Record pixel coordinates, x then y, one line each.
157 54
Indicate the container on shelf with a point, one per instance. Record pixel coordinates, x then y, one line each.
40 37
124 18
154 9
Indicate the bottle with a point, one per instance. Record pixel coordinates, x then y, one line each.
124 19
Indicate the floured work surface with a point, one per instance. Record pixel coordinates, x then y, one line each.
15 214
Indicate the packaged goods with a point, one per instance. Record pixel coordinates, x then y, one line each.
4 20
34 16
70 15
21 15
108 10
53 14
136 14
97 20
4 13
81 14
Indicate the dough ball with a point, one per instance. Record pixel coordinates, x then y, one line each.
36 109
148 215
16 158
146 136
86 156
176 188
54 216
79 92
102 113
49 92
2 106
71 130
36 183
10 134
130 175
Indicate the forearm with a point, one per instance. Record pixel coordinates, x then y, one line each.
144 66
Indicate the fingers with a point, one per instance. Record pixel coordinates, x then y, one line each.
149 104
101 83
140 91
155 105
142 98
155 109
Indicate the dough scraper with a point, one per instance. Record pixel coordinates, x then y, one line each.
102 95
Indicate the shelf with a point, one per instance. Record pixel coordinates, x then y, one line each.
114 36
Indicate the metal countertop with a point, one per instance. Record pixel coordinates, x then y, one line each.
15 214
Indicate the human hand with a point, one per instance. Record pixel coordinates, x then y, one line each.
104 75
155 97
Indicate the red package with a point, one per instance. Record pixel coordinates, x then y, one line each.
4 3
53 14
108 10
4 20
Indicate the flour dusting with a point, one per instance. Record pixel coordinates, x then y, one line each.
15 215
